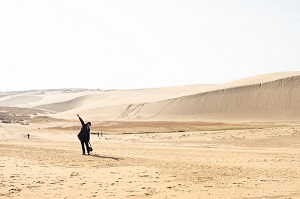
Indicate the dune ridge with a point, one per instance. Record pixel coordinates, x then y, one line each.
264 97
64 106
250 101
155 143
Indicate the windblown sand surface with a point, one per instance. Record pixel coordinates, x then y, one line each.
257 161
261 98
236 140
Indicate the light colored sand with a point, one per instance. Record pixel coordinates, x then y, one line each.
267 97
262 162
236 140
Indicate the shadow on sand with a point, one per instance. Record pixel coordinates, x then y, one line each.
109 157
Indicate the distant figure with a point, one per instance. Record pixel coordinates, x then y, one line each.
98 134
101 134
28 135
84 135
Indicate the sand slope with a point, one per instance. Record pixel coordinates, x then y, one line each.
265 97
155 159
269 97
277 99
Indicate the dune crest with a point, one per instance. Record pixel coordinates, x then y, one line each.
264 97
279 100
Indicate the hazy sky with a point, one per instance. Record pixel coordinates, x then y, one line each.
151 43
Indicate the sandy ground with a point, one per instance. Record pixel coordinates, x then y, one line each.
268 97
219 161
240 139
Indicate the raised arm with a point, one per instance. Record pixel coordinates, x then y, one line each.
82 122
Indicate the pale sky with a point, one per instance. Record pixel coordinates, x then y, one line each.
123 44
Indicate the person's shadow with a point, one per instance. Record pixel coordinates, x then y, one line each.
109 157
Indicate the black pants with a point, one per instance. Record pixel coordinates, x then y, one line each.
86 144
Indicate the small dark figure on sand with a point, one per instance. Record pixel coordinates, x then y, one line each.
28 135
101 134
84 135
98 134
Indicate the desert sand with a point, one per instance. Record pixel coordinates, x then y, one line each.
235 140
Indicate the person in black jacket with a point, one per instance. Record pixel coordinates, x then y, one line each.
84 135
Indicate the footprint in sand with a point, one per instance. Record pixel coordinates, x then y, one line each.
15 190
74 174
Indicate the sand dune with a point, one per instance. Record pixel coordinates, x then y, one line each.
277 99
264 97
81 100
261 98
260 79
146 156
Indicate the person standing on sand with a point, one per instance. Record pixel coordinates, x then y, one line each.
84 135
